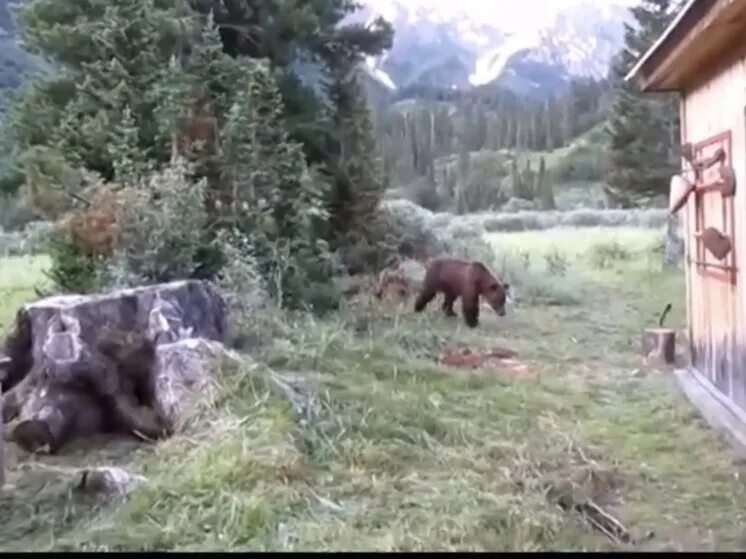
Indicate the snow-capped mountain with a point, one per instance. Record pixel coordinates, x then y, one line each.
531 46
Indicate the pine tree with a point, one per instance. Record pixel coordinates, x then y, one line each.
464 172
544 188
128 73
528 183
269 194
516 179
110 57
642 150
357 186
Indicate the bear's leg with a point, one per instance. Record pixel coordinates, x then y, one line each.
423 299
470 309
448 304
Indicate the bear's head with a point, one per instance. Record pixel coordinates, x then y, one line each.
494 291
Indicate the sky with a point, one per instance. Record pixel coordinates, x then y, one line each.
510 14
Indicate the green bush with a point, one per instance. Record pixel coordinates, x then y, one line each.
14 215
557 263
604 255
72 271
163 232
582 163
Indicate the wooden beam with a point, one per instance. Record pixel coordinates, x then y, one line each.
723 416
658 44
711 58
712 33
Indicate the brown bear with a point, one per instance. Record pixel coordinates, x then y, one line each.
466 279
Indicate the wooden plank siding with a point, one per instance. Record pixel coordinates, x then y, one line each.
714 115
702 56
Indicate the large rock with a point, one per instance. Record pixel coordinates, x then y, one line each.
107 482
126 361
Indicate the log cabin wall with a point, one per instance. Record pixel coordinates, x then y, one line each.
713 115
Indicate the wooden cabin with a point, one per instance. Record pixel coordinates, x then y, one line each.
702 56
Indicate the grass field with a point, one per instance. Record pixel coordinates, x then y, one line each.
405 453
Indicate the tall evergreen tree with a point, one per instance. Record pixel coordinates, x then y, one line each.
358 185
270 194
544 188
642 150
135 72
110 58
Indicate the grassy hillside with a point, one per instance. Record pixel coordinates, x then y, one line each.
406 453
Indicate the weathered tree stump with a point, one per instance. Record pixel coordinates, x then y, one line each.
659 345
2 438
128 361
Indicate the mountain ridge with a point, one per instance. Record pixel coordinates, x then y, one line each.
451 50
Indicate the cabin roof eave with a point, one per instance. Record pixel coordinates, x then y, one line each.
701 31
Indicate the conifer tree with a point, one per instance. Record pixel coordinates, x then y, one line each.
109 55
642 150
544 188
516 179
128 73
357 187
269 194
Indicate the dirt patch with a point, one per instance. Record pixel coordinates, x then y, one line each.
500 360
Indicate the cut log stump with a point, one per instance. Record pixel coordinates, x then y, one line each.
127 361
659 346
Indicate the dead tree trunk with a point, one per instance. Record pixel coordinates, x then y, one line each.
82 365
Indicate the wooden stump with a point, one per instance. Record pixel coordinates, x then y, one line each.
4 362
129 361
2 441
659 345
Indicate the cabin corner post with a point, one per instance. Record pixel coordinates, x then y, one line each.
688 233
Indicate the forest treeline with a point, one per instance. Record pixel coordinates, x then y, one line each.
289 162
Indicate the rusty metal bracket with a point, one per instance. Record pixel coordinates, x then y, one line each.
725 183
718 244
703 264
728 181
702 164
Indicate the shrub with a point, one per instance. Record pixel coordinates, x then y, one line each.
154 230
425 194
72 270
582 163
32 240
604 255
557 263
162 232
11 244
463 229
409 230
537 220
274 199
14 214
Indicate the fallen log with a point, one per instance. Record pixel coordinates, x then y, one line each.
116 362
